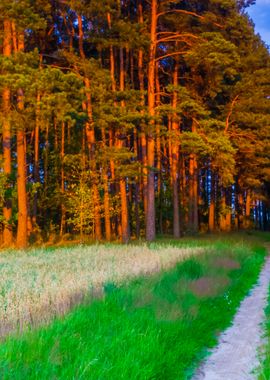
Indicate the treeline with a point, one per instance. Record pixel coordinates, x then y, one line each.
128 118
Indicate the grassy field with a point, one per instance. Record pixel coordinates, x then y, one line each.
153 327
38 284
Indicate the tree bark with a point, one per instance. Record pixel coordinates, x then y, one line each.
63 209
123 189
193 194
143 141
7 210
124 211
21 164
247 221
150 213
107 215
211 210
175 160
36 157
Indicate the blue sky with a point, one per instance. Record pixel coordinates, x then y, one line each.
260 13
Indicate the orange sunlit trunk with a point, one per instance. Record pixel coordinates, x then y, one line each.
150 213
211 210
7 210
63 211
193 194
247 221
123 185
193 191
143 140
36 156
175 160
21 164
107 214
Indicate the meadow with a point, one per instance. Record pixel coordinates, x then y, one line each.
38 284
156 310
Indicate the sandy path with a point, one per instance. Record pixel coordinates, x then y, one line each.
236 353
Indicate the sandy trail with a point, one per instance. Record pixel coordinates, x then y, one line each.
235 356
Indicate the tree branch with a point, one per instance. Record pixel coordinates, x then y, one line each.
174 36
230 114
189 13
170 55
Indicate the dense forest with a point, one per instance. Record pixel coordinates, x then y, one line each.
132 118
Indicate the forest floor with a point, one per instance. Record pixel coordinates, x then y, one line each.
236 355
159 307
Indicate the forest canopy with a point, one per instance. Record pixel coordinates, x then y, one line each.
132 118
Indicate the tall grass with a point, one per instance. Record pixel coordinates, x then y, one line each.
155 327
264 370
39 284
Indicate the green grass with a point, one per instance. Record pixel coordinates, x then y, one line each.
265 365
155 327
37 284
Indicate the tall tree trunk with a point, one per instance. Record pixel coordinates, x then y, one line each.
240 208
124 231
182 195
107 208
21 183
46 158
114 187
124 211
211 217
193 191
123 189
136 187
112 61
7 210
211 210
81 36
90 136
222 217
63 209
228 217
175 160
150 213
158 156
21 164
36 157
247 221
107 215
142 140
193 194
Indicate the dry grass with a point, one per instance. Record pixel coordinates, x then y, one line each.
39 284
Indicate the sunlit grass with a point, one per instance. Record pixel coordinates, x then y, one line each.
155 327
38 284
